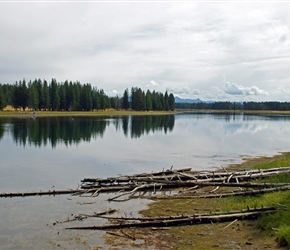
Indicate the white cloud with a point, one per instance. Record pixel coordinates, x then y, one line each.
282 90
185 47
152 84
115 92
236 89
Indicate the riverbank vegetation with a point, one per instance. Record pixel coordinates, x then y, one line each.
271 230
75 96
10 111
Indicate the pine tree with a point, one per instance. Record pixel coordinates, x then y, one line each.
39 87
54 95
148 100
33 98
166 102
96 99
20 96
2 98
125 100
171 102
62 97
45 95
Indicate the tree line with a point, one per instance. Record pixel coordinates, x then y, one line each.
271 105
74 96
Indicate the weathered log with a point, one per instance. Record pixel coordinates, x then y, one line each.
262 209
191 220
163 180
81 217
176 176
220 195
49 192
237 184
159 173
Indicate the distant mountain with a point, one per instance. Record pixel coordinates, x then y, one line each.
181 100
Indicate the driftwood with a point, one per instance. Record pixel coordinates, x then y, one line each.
165 180
181 175
40 193
185 178
183 216
220 195
81 217
185 220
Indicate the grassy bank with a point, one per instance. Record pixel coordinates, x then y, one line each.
20 113
268 232
13 113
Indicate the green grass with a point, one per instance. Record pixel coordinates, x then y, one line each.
284 235
278 223
274 225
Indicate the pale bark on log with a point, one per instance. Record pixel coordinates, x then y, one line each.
262 209
177 177
81 217
220 195
164 180
40 193
179 222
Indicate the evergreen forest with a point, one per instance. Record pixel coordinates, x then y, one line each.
74 96
271 105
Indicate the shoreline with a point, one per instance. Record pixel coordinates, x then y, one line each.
242 234
82 113
14 113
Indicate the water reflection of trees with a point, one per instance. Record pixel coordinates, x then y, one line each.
146 124
54 130
1 129
73 130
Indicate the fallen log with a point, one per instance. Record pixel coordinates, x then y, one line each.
182 176
220 195
237 184
40 193
81 217
262 209
163 180
191 220
159 173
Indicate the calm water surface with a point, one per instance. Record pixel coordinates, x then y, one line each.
56 153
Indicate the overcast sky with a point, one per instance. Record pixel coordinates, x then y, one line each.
237 51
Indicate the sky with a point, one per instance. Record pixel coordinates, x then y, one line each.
211 50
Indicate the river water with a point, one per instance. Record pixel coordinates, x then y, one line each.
46 153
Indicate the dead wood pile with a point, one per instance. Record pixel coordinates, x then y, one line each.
188 183
173 184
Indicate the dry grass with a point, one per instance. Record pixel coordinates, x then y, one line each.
108 112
